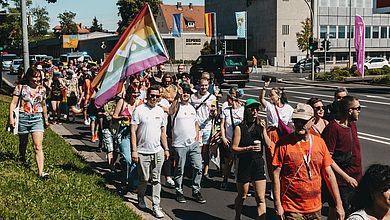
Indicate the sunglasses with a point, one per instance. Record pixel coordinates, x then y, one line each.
154 96
356 108
319 108
253 109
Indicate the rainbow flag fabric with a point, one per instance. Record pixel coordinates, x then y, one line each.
140 47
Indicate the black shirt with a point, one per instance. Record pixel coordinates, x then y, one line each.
250 133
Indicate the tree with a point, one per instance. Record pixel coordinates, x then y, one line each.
68 26
304 35
96 26
206 49
128 9
41 21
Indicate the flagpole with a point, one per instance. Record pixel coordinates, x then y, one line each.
246 34
215 32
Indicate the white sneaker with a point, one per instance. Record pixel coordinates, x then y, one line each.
141 203
170 183
158 213
86 122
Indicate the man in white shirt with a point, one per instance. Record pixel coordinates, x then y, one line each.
185 142
206 110
147 134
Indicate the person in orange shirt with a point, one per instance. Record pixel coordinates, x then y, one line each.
298 162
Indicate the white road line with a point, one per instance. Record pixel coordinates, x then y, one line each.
374 136
374 140
292 87
377 97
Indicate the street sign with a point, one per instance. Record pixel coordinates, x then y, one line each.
70 41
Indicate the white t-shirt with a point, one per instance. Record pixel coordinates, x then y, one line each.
285 113
164 103
184 130
203 112
149 121
359 215
238 116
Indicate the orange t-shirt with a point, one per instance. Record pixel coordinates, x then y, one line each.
298 192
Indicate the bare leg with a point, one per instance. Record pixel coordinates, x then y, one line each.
23 141
242 190
37 141
260 186
206 158
227 168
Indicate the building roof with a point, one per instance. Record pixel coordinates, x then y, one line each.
190 13
80 29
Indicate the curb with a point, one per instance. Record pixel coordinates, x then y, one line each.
130 199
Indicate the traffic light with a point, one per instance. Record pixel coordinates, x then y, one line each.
328 45
313 44
323 44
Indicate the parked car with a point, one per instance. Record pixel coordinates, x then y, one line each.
305 65
81 56
7 61
16 63
37 58
374 63
227 68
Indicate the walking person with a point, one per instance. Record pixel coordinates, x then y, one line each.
320 123
56 86
231 117
147 135
185 143
372 197
331 110
72 93
123 112
254 64
248 140
342 140
299 162
29 95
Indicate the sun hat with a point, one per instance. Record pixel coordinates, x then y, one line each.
303 111
39 67
252 103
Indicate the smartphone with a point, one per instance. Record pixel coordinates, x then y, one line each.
266 78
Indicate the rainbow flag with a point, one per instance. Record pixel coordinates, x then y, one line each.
140 47
209 24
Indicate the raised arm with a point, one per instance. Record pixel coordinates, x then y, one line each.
262 94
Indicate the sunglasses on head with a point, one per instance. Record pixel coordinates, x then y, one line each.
356 108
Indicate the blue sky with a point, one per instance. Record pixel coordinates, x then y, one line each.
105 11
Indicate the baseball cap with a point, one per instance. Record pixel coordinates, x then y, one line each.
70 72
303 111
252 103
39 67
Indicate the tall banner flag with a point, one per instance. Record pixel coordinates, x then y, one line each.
359 43
241 24
140 47
209 24
176 22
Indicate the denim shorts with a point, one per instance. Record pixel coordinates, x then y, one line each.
30 123
108 141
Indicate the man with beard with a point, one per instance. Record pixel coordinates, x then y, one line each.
299 160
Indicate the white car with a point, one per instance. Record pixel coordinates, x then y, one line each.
15 65
375 63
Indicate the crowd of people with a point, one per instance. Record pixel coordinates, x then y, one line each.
162 123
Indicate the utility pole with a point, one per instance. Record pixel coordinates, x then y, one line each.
312 34
26 59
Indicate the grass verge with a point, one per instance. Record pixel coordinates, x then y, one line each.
73 190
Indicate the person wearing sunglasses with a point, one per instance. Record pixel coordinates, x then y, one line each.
300 161
149 147
249 139
342 140
318 107
331 110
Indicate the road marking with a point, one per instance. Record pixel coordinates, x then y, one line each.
377 97
290 87
374 140
374 136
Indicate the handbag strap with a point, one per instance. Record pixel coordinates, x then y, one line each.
231 117
203 102
277 113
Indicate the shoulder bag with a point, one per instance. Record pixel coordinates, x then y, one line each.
282 129
15 113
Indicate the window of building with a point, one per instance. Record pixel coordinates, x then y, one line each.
375 32
333 3
332 31
359 3
368 4
368 32
384 32
352 32
285 29
324 3
343 3
323 31
341 32
191 24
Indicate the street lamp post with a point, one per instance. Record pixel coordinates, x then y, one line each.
312 33
26 61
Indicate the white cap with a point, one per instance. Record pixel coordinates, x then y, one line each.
39 67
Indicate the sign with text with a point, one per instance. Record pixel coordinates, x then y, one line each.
70 41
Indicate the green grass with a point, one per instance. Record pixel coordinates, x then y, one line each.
73 190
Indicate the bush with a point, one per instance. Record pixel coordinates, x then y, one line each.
382 80
375 72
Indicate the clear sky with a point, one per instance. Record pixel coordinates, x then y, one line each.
105 11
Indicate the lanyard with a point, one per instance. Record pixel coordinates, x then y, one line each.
307 157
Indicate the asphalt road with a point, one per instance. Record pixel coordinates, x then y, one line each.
373 127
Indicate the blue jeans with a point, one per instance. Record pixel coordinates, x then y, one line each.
193 152
129 168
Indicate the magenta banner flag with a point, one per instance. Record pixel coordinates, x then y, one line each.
359 43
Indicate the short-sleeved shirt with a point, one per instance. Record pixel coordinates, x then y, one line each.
341 139
238 116
359 215
285 113
203 112
183 128
149 121
298 192
30 99
71 87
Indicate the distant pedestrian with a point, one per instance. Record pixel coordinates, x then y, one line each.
56 96
342 140
299 162
331 110
254 64
72 93
30 97
320 123
147 135
372 197
248 140
185 142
